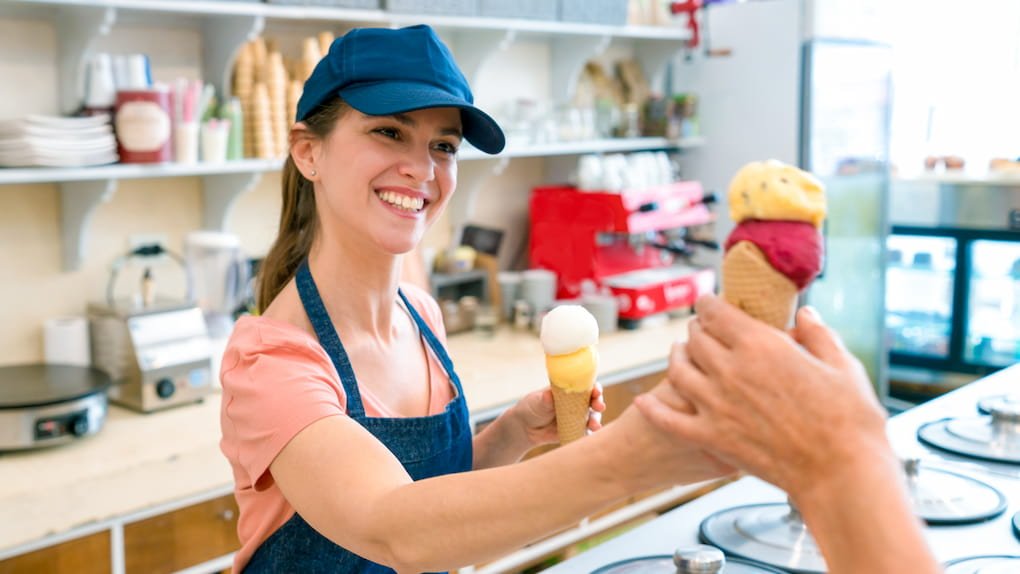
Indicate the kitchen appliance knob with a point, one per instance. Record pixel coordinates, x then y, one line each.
700 559
79 425
165 388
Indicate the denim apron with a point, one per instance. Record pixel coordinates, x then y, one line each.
426 446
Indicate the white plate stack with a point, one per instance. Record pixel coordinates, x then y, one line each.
49 141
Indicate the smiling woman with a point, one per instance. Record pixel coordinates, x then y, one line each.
343 418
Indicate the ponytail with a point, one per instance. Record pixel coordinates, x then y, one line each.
299 221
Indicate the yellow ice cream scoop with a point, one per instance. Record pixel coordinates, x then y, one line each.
573 372
773 190
569 334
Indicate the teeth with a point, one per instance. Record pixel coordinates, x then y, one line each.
402 201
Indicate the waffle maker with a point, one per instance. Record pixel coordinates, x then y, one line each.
993 437
694 560
775 533
43 405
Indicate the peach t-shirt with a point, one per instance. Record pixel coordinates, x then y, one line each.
276 381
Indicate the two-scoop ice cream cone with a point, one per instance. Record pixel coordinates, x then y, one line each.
569 334
775 251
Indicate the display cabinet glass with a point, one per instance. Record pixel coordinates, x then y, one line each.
919 294
993 314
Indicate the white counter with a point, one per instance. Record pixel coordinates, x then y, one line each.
679 527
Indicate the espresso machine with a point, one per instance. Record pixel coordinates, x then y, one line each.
634 242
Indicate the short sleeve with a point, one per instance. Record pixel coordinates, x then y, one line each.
276 381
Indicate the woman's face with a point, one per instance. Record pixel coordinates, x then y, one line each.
388 178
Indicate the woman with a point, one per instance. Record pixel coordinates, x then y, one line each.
343 418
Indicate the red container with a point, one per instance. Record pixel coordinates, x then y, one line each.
142 122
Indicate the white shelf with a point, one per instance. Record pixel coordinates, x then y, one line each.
28 175
328 14
33 175
84 189
616 145
964 178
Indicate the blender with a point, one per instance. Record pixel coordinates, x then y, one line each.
218 272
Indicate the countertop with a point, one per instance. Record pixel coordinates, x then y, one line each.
679 527
139 464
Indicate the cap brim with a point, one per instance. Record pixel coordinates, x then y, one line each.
384 98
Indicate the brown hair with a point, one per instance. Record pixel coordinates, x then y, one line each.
299 222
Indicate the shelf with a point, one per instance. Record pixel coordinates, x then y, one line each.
84 189
227 25
963 178
615 145
32 175
382 17
27 175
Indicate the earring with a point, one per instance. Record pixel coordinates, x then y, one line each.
314 173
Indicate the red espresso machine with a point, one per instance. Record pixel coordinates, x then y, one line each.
633 242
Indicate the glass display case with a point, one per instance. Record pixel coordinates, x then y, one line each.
953 299
993 326
919 294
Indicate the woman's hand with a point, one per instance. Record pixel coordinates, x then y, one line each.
792 409
529 423
536 415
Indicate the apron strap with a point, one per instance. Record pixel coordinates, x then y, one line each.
434 344
329 339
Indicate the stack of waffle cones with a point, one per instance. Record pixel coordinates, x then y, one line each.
268 85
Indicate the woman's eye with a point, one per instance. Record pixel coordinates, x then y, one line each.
447 147
388 132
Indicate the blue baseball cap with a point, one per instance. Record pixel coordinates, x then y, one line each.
382 71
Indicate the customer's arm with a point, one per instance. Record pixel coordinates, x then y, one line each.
799 412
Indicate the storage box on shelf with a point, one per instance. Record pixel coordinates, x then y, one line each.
444 7
526 9
609 12
357 4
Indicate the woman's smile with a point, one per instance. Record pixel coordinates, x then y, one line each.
403 203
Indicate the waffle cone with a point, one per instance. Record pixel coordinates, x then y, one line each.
571 413
749 282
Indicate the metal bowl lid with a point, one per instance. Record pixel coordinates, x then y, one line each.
25 386
986 404
984 565
772 534
664 564
944 497
995 437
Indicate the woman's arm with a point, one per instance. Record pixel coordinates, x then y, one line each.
800 413
531 422
351 489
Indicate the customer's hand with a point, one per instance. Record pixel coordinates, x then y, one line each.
790 409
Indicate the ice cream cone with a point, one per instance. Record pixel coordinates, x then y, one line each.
571 413
749 282
569 334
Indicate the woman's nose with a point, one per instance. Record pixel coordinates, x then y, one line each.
418 165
